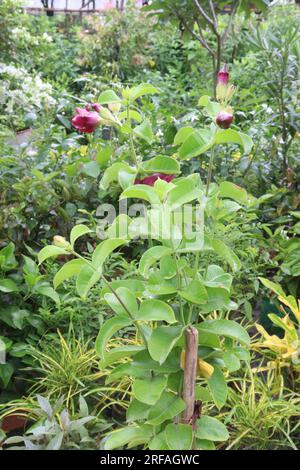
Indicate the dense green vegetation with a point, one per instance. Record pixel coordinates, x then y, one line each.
102 310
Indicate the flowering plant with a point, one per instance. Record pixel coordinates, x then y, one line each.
185 344
22 94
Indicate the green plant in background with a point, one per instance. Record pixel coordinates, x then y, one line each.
195 17
280 55
284 351
260 415
55 429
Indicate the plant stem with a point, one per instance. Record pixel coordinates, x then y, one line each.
131 145
116 295
190 373
210 168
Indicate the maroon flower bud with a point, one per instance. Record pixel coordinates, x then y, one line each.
95 106
223 76
150 180
85 120
224 119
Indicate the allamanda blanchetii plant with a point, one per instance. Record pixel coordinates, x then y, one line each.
185 343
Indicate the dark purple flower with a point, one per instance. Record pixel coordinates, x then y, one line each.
150 180
223 76
224 119
85 121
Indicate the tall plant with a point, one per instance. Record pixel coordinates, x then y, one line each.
185 344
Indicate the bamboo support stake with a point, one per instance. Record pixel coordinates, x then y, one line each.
190 373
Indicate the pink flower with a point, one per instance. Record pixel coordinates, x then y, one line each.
95 106
85 120
223 76
150 180
224 119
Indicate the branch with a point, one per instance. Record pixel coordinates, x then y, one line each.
232 14
212 9
206 17
206 45
190 373
199 36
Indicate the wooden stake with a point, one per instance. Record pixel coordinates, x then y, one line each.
190 373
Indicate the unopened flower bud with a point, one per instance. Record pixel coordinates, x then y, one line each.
223 75
61 242
224 119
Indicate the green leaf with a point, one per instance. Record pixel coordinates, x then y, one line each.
276 288
141 191
159 442
161 164
48 292
119 227
218 388
167 407
144 131
168 267
14 317
227 328
183 193
126 179
123 302
108 329
218 299
78 231
211 429
162 341
137 411
142 364
117 353
216 277
134 115
91 169
202 444
7 257
104 249
226 253
6 372
70 269
156 310
232 191
183 134
202 393
86 279
137 434
151 256
196 143
112 173
108 96
230 136
195 292
179 436
211 107
49 251
231 361
8 285
64 121
103 155
149 390
141 90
